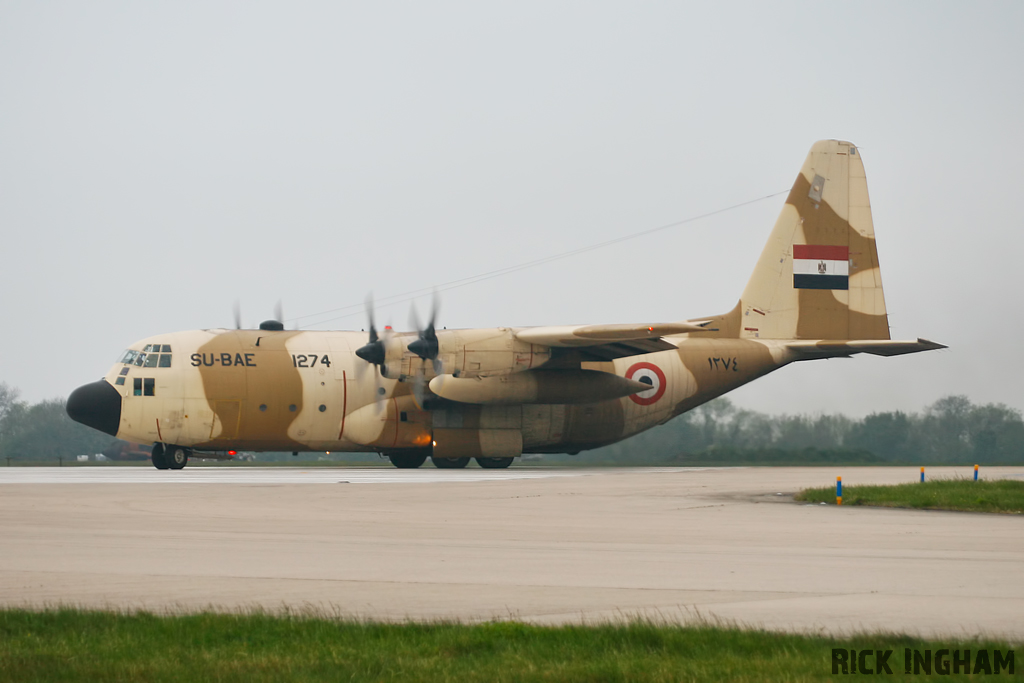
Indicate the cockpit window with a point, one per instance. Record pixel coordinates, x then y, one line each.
152 356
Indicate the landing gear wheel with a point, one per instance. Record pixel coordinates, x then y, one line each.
494 463
449 463
159 457
407 461
176 457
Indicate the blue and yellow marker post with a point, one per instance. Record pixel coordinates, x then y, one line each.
922 474
839 490
975 473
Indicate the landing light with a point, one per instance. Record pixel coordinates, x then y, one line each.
232 452
434 443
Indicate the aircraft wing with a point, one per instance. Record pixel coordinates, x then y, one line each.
607 342
572 336
876 347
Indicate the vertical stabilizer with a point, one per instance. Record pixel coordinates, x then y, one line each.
818 276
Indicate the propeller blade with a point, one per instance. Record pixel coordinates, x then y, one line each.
419 389
379 399
369 315
237 308
414 318
435 308
375 350
279 312
376 391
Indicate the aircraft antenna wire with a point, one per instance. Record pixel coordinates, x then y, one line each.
410 295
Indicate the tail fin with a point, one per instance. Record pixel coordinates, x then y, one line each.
818 276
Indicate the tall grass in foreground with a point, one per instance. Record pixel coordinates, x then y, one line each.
941 494
67 644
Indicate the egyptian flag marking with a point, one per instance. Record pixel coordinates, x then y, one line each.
817 266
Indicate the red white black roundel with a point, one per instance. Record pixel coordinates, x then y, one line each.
648 373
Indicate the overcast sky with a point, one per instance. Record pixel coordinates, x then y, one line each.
159 161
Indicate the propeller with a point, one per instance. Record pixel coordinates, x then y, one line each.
374 352
277 323
427 347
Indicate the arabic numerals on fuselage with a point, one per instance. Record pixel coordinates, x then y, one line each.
309 360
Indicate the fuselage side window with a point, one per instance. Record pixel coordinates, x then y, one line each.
137 386
148 386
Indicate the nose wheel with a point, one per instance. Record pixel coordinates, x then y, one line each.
169 457
177 458
159 458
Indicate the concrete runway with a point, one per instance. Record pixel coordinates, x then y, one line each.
539 544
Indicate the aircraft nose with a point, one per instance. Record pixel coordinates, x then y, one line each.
96 405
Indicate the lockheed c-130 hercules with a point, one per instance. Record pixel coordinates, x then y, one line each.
494 394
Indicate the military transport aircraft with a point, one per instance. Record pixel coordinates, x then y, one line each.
494 394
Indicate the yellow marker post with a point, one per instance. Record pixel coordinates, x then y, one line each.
975 473
922 474
839 490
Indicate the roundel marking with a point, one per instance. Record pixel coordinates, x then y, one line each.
648 373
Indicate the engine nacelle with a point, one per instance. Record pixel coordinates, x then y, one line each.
466 353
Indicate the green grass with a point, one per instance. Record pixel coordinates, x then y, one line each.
965 495
66 644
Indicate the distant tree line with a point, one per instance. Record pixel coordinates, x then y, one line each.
43 431
953 430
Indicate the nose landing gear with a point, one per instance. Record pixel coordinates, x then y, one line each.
170 457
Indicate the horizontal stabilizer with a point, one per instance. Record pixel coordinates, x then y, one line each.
876 347
593 335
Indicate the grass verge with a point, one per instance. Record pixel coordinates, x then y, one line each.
964 495
68 644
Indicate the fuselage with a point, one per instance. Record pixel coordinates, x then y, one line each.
261 390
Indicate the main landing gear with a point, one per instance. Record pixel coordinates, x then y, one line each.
407 461
414 458
170 457
449 463
494 463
